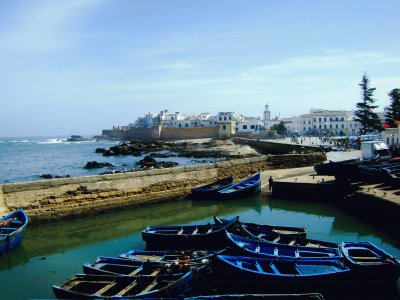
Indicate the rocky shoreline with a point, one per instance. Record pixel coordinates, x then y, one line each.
193 148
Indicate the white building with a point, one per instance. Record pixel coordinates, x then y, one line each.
249 126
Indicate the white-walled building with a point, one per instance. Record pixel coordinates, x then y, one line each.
249 126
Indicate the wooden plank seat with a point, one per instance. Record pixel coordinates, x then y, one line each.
106 288
126 289
149 287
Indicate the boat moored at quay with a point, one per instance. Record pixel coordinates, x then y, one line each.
246 268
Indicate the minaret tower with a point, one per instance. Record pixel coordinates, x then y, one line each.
267 116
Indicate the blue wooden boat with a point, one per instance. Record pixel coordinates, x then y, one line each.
292 236
187 236
127 267
258 231
211 189
371 262
244 188
263 275
12 229
302 296
83 286
250 247
171 256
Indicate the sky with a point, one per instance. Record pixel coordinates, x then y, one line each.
80 66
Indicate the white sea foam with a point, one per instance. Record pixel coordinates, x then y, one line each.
53 141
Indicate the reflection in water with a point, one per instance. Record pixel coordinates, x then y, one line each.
51 252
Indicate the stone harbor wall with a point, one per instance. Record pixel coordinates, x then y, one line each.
275 147
51 200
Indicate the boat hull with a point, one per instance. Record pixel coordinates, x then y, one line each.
12 230
187 236
244 188
277 275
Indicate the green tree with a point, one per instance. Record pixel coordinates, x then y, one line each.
393 114
280 128
364 114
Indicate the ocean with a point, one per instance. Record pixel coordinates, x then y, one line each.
26 159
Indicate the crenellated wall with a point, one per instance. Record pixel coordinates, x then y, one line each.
50 200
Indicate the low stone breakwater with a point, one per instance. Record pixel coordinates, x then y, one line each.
51 200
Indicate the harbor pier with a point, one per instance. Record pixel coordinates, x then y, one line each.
377 204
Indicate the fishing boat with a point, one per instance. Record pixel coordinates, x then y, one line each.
259 230
171 256
250 247
211 189
371 262
187 236
122 266
302 296
244 188
12 229
255 274
83 286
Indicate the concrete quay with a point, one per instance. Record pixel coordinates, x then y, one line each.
377 204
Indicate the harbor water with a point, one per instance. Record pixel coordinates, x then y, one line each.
52 252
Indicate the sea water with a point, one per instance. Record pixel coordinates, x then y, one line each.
26 159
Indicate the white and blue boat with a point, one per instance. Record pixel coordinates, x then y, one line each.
12 229
244 188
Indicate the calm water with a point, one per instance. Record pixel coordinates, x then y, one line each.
52 252
25 159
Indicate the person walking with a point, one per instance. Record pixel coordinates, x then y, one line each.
270 181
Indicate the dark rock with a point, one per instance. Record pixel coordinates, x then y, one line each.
149 163
100 150
76 138
62 176
46 176
95 164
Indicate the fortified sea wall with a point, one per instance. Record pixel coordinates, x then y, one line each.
50 200
163 133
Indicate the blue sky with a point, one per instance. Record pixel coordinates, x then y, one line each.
79 66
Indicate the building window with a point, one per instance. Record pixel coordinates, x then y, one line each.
325 126
309 121
330 126
230 118
337 125
319 126
224 127
244 126
304 129
252 127
180 125
315 119
220 118
324 119
224 118
186 125
342 125
304 122
315 126
319 119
